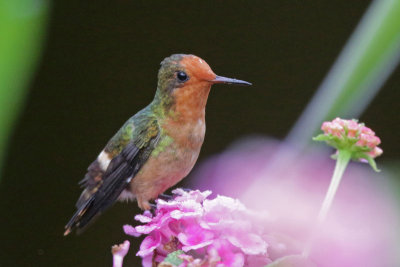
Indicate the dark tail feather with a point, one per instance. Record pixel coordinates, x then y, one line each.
102 199
76 220
117 177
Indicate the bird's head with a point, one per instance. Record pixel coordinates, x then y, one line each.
184 82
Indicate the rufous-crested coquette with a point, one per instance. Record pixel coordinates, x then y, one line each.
157 147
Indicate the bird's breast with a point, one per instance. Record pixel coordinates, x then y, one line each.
171 160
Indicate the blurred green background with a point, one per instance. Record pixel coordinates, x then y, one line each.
98 66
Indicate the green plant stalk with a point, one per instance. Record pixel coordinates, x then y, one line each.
365 63
343 159
22 27
341 164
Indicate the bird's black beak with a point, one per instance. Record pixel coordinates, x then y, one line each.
220 79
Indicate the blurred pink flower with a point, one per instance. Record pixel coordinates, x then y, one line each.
362 228
219 230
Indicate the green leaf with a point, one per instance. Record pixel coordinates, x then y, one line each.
22 28
173 258
292 261
372 163
321 137
334 156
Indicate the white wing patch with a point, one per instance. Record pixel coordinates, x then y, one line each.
104 160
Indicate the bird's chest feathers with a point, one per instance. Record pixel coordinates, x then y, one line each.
171 160
180 144
178 149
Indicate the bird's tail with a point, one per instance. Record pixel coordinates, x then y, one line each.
81 218
93 202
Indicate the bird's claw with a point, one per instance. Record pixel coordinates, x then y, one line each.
167 197
153 208
187 190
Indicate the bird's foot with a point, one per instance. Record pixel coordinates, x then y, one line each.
187 190
153 208
143 204
167 197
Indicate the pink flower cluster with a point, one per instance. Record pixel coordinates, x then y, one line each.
353 133
210 232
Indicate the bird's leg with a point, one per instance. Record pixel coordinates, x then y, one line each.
167 197
143 204
153 208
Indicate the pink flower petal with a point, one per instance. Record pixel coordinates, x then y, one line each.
119 252
130 230
257 260
167 205
326 126
221 207
178 214
149 244
196 195
227 254
377 151
196 246
146 229
367 130
339 121
236 261
194 236
147 261
250 244
353 129
143 218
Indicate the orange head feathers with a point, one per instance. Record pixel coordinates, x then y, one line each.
184 82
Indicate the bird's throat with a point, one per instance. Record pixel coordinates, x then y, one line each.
190 102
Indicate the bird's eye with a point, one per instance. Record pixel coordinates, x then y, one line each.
182 76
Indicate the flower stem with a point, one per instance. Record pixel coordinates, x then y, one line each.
341 164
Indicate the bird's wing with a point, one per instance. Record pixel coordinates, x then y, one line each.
104 187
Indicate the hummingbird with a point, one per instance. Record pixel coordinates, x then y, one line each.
155 148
